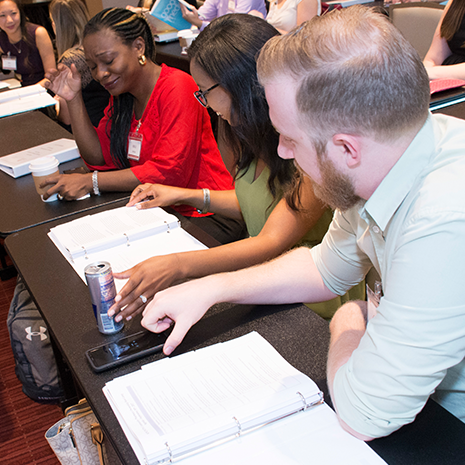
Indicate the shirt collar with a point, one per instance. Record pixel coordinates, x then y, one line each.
393 189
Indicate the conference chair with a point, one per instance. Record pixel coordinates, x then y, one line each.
417 21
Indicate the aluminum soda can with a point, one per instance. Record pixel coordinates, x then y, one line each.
102 289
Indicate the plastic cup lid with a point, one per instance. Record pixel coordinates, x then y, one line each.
43 164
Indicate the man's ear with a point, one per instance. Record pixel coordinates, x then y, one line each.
350 147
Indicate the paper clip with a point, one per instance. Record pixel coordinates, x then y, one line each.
169 452
239 427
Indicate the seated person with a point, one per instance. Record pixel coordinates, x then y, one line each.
153 129
285 15
212 9
223 65
394 173
446 55
28 45
68 20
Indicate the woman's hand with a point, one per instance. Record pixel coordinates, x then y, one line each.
145 279
68 186
191 15
155 195
64 81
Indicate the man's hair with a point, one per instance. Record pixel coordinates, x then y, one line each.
354 73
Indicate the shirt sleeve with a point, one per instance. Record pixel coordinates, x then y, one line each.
340 259
208 12
417 334
175 153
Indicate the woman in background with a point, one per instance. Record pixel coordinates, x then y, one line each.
223 65
27 45
69 18
212 9
153 129
285 15
446 55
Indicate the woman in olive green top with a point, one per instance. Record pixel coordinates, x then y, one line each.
275 222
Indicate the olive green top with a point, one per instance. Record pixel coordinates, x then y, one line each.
257 203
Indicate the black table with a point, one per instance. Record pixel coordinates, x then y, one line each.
302 337
170 54
21 206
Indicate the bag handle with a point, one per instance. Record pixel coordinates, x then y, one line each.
97 438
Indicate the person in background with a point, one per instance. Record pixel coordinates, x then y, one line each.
285 15
68 20
212 9
350 98
446 55
153 129
26 46
223 65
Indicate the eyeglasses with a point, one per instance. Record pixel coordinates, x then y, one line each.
201 95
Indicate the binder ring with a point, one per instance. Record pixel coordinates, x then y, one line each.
303 400
85 253
127 240
239 427
169 452
168 226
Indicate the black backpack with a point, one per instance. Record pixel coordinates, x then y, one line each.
34 358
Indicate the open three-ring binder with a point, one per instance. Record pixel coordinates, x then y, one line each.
123 237
180 406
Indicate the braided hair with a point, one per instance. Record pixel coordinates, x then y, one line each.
128 26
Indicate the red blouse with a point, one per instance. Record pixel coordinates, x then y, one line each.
178 147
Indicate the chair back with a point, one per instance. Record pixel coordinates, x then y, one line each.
417 21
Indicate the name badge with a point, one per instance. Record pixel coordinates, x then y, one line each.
232 6
9 62
373 299
134 146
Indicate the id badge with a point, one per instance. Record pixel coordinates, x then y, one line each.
9 62
232 6
134 146
373 299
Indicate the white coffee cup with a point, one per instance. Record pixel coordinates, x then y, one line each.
41 168
186 37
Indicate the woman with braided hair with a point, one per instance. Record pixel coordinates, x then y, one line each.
153 130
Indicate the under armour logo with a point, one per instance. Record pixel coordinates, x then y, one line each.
40 333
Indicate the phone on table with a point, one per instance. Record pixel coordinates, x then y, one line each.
124 350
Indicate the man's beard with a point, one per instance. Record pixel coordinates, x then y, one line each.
336 189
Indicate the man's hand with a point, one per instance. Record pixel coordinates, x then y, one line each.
184 305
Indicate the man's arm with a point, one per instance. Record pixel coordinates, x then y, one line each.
293 277
347 328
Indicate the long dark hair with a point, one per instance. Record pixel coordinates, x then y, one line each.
24 35
128 26
453 19
226 51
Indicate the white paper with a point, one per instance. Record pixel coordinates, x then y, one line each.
123 237
211 394
24 99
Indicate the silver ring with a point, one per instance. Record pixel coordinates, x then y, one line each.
143 298
60 197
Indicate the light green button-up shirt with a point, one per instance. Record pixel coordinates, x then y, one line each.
412 230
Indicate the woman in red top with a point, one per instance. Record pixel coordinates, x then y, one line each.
153 130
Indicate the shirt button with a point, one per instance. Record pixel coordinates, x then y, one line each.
376 229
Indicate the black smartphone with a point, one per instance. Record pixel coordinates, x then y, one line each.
125 349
